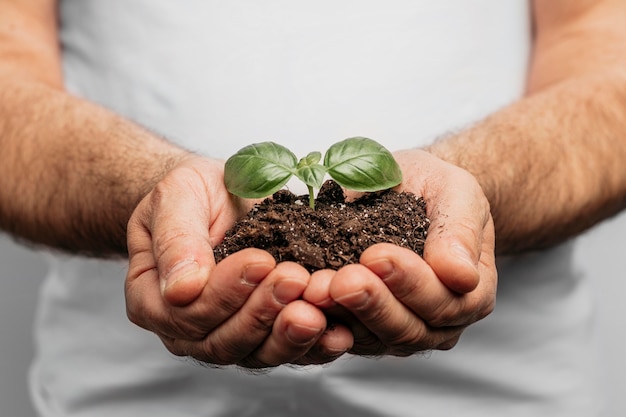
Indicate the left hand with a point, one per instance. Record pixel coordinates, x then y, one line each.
245 310
397 303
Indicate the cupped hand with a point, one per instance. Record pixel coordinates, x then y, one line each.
246 310
397 303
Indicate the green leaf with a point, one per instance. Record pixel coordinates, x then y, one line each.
310 171
311 159
313 175
362 164
259 170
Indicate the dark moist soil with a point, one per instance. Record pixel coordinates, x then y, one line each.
334 234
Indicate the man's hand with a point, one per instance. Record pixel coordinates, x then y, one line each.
397 303
246 310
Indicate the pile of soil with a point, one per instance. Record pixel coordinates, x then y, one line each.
334 234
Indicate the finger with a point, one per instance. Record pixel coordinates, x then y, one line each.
317 292
412 281
180 232
363 293
139 239
181 214
459 214
449 344
296 329
227 290
335 341
248 328
362 341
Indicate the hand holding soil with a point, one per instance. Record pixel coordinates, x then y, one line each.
253 311
397 303
452 287
246 310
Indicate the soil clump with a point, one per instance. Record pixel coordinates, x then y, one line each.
334 234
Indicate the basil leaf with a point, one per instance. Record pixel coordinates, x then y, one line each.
259 170
311 159
310 171
313 175
362 164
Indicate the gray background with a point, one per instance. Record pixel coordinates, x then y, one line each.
21 272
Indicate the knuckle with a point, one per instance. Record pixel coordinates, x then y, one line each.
214 350
461 309
448 344
368 344
219 352
262 321
252 362
132 308
159 194
186 327
469 232
169 324
446 312
318 356
174 346
427 339
480 304
225 303
133 315
406 289
417 339
464 310
140 315
486 310
169 238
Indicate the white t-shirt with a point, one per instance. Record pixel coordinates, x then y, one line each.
216 76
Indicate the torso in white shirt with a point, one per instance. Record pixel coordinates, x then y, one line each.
216 76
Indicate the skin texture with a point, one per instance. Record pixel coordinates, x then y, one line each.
533 174
552 164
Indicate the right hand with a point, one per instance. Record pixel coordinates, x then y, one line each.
246 310
398 303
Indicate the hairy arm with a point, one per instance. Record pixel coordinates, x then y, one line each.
75 176
71 172
552 164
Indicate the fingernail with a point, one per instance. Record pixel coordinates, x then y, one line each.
301 335
325 303
333 354
288 290
185 269
383 268
253 274
463 254
356 300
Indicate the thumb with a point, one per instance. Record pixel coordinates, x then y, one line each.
460 219
180 236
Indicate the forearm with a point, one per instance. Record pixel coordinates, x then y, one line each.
552 164
72 172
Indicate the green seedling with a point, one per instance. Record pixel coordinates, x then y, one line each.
358 164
